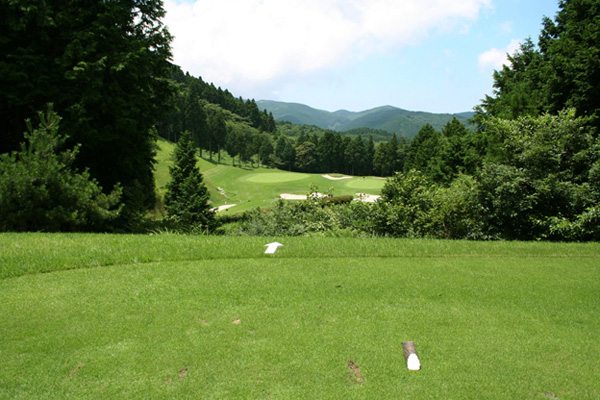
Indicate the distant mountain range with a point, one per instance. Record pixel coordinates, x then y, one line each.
386 118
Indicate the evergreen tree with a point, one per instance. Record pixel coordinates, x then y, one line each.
385 161
40 189
105 66
355 155
327 152
424 153
271 125
254 114
458 153
218 133
194 116
369 156
561 72
571 46
186 198
232 143
338 153
285 153
344 162
518 86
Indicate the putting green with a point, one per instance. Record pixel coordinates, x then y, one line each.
275 177
365 184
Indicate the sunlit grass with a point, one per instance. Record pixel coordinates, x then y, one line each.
250 187
170 316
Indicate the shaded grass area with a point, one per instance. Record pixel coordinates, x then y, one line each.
215 318
164 159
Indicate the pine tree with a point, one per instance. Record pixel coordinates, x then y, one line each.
105 66
40 190
186 199
385 160
562 71
370 155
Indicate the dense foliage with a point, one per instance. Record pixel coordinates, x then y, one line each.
104 65
196 103
562 71
541 183
40 189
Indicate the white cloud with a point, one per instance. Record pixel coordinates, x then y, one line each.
242 43
496 58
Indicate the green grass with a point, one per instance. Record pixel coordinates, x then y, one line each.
170 316
250 188
276 177
164 159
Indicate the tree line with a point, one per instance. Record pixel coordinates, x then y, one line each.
529 170
442 154
192 109
219 121
104 65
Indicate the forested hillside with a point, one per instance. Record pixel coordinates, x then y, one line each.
218 121
529 168
387 118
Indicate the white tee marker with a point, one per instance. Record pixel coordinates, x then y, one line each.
410 354
272 247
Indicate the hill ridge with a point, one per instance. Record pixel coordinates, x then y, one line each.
387 118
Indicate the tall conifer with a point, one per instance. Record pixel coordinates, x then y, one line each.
186 199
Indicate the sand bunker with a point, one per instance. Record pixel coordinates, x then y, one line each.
224 207
333 178
288 196
367 198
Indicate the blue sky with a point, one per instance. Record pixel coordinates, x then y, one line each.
421 55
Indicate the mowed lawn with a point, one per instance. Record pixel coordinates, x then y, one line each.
187 317
250 188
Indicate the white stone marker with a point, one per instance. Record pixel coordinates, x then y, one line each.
272 247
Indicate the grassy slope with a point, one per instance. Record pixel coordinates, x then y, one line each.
172 316
258 187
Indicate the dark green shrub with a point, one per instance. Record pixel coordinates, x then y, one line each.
345 199
456 213
405 207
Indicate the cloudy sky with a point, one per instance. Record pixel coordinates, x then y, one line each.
425 55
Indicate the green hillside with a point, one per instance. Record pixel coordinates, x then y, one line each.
386 118
252 187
